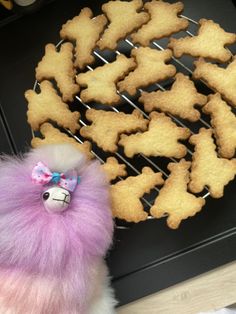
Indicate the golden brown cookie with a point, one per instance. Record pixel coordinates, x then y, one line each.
174 199
151 68
108 125
126 194
223 121
161 139
208 169
113 169
164 22
219 79
85 30
124 18
47 105
180 100
210 42
58 65
101 83
52 135
7 4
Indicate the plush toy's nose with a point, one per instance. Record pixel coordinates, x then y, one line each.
56 199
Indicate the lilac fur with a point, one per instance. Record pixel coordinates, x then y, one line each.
65 245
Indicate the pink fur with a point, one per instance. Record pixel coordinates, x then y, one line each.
53 258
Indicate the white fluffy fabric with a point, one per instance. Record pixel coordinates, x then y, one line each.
106 302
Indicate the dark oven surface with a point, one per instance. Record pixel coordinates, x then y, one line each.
148 256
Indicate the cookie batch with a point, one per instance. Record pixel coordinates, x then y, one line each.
151 130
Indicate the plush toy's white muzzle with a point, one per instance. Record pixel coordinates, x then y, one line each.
56 199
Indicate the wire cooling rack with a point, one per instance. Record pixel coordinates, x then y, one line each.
135 165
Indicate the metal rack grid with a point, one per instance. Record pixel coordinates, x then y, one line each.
131 103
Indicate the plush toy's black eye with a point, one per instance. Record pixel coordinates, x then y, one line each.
46 195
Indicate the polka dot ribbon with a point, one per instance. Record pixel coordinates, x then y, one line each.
42 175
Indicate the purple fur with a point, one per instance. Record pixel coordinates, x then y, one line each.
67 244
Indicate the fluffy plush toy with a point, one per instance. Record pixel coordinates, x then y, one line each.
55 229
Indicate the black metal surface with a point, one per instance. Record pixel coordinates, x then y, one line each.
148 256
5 138
175 269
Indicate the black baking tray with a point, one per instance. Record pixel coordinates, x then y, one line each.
6 146
146 257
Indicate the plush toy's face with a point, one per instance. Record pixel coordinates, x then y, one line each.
56 199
